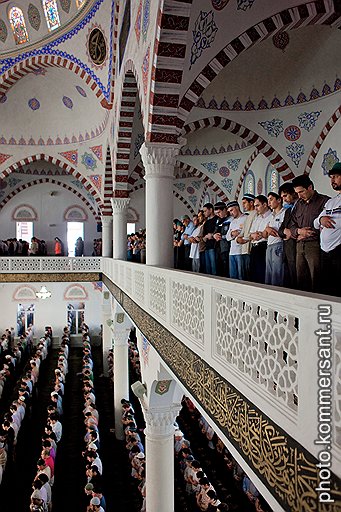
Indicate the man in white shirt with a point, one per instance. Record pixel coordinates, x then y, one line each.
248 202
258 242
329 222
274 270
236 225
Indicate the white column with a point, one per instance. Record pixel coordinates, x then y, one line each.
107 335
106 236
119 210
121 378
160 458
159 162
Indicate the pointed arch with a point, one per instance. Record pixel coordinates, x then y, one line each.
245 133
123 140
34 158
108 185
317 12
244 173
40 181
324 132
36 63
206 179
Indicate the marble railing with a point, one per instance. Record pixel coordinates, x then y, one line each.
49 264
261 339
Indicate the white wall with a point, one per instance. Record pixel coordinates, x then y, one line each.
51 311
50 212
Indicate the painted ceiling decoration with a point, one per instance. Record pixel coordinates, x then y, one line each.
263 104
204 32
214 151
88 161
4 157
71 156
3 31
97 46
145 19
281 40
98 151
96 180
51 49
65 5
34 17
329 159
138 21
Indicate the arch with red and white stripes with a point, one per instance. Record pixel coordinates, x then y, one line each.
321 138
244 173
34 64
129 97
68 168
52 181
245 133
317 12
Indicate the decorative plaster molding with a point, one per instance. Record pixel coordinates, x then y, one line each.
106 220
160 422
159 160
119 205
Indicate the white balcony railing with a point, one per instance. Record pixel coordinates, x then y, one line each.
49 264
261 339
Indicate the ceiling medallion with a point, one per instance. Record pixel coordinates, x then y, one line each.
97 46
281 40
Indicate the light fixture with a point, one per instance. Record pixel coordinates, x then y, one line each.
43 293
139 389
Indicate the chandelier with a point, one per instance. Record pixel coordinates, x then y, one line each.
43 293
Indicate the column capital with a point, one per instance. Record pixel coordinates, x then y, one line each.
120 336
160 421
106 220
119 204
159 159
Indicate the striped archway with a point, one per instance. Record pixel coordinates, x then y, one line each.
321 138
52 181
66 167
245 133
317 12
36 63
244 173
123 140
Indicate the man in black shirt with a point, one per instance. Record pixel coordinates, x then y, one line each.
222 245
208 232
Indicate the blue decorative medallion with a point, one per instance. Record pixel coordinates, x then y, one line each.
81 91
34 104
308 120
224 172
228 184
180 186
273 127
329 159
295 151
89 161
204 33
193 199
233 164
67 102
146 17
211 167
292 133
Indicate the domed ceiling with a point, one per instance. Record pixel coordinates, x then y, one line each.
304 64
50 106
39 29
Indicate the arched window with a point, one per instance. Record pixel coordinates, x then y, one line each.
271 179
249 186
51 14
17 21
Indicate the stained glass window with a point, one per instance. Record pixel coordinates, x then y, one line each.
271 179
249 183
80 3
18 25
51 14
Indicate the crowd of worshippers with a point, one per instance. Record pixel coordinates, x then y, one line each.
94 498
13 355
135 448
197 485
19 247
41 497
136 247
290 238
